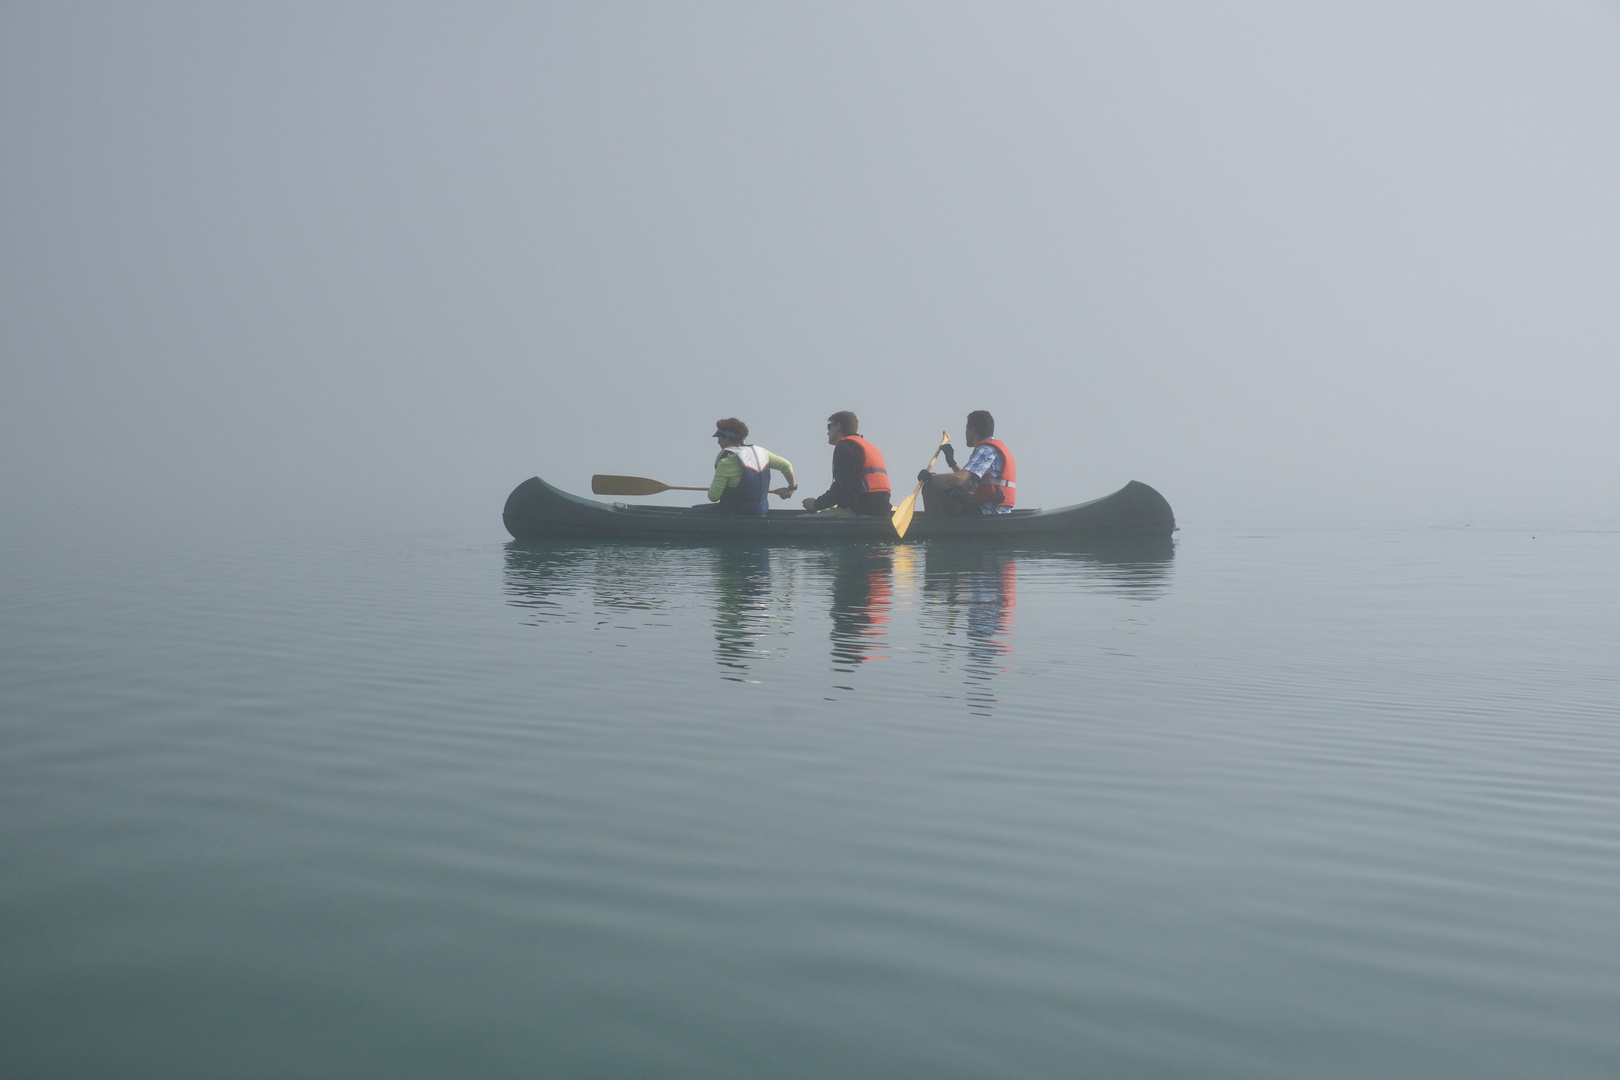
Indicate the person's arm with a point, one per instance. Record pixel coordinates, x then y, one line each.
727 473
821 502
954 478
785 467
978 464
846 463
828 497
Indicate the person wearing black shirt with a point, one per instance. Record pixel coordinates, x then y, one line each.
860 482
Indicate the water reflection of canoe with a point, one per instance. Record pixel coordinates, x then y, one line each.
537 511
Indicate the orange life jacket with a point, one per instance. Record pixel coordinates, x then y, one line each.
1005 486
874 477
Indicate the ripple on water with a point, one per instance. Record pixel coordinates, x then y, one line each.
1324 803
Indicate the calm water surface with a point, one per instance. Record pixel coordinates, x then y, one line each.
1264 803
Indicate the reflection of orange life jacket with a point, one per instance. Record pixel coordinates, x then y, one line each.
874 477
1006 484
1007 586
879 591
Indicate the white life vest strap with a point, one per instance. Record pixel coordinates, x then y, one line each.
753 458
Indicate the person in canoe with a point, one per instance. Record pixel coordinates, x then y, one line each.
987 484
860 483
742 473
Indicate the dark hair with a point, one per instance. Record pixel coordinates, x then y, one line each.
846 421
982 422
733 427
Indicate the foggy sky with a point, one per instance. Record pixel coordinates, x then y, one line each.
373 265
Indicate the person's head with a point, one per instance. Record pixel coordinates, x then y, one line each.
980 426
840 424
730 431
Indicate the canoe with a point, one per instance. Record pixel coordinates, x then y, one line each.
537 511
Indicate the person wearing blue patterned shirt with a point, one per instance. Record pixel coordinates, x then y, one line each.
986 484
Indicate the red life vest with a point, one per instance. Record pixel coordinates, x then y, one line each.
874 477
1006 484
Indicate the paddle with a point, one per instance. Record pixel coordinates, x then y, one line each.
603 484
903 512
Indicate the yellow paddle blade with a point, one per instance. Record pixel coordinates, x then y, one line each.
602 484
625 485
902 513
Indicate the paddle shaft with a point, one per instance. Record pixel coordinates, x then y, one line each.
945 438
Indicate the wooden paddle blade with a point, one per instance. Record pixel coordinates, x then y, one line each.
903 513
602 484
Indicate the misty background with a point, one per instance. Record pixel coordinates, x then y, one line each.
370 266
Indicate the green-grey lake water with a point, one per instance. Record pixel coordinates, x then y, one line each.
1302 802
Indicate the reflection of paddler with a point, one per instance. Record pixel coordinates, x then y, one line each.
993 593
742 587
981 588
979 585
863 590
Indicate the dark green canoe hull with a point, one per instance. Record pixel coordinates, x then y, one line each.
537 511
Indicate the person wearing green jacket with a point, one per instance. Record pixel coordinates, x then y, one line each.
742 472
